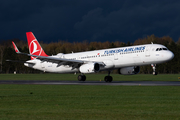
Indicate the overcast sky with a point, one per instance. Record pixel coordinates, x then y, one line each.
92 20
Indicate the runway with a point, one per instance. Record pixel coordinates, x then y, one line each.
114 83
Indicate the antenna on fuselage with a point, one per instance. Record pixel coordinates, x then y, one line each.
151 42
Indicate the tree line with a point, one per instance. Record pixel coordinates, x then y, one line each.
53 48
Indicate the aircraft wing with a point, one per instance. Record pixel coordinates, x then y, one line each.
63 61
59 61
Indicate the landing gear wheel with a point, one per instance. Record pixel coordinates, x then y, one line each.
108 79
81 77
155 73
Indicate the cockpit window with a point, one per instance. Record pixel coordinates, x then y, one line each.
159 49
164 48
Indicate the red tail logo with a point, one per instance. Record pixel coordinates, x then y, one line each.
34 49
34 46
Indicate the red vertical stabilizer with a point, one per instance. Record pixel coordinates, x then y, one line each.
34 46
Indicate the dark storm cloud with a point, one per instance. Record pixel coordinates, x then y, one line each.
132 21
94 20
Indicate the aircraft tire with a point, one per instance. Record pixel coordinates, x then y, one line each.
155 73
108 79
81 77
84 78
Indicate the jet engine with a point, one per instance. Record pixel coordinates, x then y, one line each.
129 70
89 68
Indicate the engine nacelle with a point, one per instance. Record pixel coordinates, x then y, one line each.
129 70
89 68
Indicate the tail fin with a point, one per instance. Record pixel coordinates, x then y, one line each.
34 46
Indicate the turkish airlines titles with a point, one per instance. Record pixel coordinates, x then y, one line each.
125 50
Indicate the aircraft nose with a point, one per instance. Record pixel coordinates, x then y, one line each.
170 55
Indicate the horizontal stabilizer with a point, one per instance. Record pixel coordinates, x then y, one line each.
18 61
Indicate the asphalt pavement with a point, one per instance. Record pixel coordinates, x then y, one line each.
121 83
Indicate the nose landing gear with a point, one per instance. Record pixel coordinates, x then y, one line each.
154 69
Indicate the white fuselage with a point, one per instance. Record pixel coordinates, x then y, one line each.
113 58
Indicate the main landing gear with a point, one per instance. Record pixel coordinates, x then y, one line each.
82 77
154 69
108 78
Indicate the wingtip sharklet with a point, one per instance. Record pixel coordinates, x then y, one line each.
15 48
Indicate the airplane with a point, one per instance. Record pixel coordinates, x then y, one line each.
126 59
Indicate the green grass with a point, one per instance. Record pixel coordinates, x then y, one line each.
91 77
78 102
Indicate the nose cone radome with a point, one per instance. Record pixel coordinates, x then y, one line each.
169 55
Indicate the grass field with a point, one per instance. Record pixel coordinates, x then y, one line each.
83 102
91 77
89 102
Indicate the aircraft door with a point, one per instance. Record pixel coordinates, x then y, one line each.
147 51
115 56
43 65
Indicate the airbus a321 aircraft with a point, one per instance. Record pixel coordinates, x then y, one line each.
126 59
